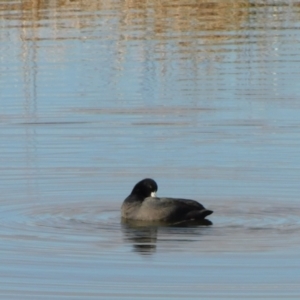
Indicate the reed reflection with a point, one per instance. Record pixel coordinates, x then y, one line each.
134 19
187 32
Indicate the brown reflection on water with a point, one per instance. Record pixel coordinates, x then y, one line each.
154 18
179 17
189 25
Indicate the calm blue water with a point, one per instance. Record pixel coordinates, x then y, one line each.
202 96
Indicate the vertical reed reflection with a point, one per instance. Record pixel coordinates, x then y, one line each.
186 32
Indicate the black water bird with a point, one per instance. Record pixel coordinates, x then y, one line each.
143 205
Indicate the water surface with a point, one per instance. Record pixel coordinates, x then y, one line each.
202 96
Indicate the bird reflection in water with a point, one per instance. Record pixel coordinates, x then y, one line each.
143 235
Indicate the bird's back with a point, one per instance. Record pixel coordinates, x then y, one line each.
171 210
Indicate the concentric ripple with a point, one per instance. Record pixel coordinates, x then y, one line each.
77 225
245 227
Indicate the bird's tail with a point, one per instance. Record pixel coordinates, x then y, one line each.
199 214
